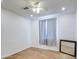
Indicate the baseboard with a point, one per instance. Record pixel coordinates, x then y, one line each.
46 47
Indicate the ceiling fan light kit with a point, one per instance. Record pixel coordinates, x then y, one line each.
35 7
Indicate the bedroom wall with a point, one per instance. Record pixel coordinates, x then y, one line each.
65 29
15 33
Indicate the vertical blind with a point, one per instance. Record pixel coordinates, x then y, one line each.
47 32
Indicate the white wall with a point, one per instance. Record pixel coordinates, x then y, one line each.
15 33
65 29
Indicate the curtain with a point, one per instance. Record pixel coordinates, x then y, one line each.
47 32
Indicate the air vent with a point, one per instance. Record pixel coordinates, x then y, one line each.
26 8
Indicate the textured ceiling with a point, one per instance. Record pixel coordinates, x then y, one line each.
49 6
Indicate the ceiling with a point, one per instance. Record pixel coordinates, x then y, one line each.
49 7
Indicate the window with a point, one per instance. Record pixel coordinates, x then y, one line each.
47 32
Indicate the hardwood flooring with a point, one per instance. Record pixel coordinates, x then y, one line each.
36 53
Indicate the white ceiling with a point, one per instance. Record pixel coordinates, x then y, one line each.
50 7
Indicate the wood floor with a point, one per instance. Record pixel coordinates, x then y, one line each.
36 53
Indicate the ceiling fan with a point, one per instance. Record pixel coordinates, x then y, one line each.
35 7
